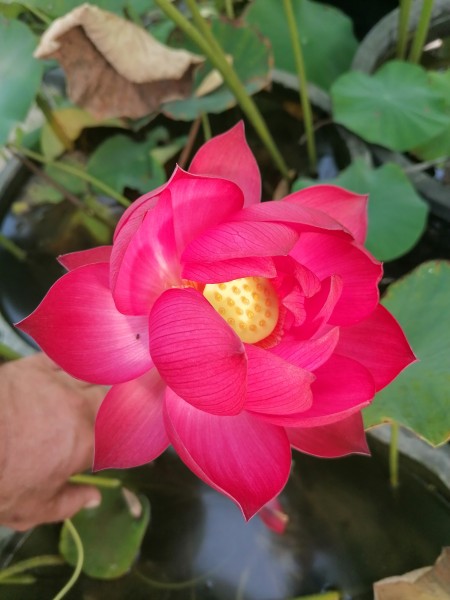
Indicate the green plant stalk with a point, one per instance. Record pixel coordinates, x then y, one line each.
421 32
56 126
38 13
80 560
301 73
100 482
393 455
206 127
402 32
47 560
12 248
229 9
74 171
217 57
6 353
324 596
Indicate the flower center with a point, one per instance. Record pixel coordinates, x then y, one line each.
249 305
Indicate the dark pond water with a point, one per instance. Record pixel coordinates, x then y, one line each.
347 529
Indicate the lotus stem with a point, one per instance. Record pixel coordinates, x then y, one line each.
56 126
324 596
80 560
6 353
402 32
37 13
47 560
229 9
100 482
421 32
206 127
12 248
208 45
72 170
303 84
393 455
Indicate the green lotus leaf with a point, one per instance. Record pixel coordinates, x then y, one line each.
396 107
251 61
325 32
419 398
20 75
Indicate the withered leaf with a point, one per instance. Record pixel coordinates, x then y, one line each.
428 583
114 68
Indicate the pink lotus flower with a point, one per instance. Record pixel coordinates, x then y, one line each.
231 329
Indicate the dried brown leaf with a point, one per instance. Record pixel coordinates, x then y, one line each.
428 583
114 68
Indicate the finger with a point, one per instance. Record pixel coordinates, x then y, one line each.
70 500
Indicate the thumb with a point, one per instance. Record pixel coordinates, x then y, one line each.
71 499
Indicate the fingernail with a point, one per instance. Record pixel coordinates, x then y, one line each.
93 503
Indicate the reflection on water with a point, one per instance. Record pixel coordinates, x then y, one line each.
346 530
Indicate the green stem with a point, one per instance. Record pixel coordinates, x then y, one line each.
100 482
56 126
206 127
403 22
7 354
421 32
229 9
12 248
393 455
47 560
217 57
72 170
301 73
324 596
80 560
20 580
38 13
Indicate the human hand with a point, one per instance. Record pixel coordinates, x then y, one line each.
46 435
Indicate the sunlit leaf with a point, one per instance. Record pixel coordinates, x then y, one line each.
325 33
111 535
20 74
396 107
419 398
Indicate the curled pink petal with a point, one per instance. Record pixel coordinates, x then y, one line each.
244 458
342 387
200 203
301 218
229 156
347 208
196 353
379 344
150 263
227 270
319 308
331 441
79 307
308 354
129 429
274 386
274 517
241 240
328 255
73 260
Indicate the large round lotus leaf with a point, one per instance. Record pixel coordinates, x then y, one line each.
121 162
420 396
250 59
111 535
58 8
439 146
396 107
325 32
397 215
20 74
